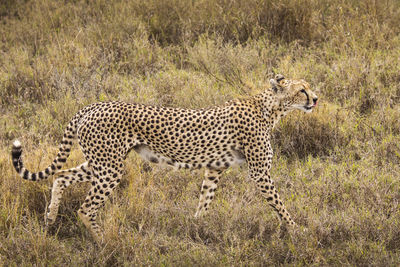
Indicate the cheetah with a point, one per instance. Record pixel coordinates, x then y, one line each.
213 138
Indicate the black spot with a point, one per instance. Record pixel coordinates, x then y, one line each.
16 152
26 174
17 163
154 160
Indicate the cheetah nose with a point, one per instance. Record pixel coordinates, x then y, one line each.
315 100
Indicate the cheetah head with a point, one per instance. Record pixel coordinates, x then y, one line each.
294 94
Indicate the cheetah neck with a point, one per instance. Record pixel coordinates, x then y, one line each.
273 108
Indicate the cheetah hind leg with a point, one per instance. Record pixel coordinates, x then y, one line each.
98 194
89 220
65 178
208 190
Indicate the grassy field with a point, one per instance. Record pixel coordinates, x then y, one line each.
336 169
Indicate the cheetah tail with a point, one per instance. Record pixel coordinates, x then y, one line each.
54 167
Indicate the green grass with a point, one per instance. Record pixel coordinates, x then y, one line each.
336 169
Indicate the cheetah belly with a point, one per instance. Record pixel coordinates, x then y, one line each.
146 153
231 158
238 157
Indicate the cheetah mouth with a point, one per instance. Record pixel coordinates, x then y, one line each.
309 108
306 108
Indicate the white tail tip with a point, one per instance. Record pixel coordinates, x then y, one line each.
17 143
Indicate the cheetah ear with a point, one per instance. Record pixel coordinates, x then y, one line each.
275 82
279 77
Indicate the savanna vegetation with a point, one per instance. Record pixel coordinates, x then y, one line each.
337 169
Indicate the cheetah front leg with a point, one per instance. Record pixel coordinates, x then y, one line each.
208 190
267 188
258 154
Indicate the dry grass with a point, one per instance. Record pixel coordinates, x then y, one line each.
337 169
